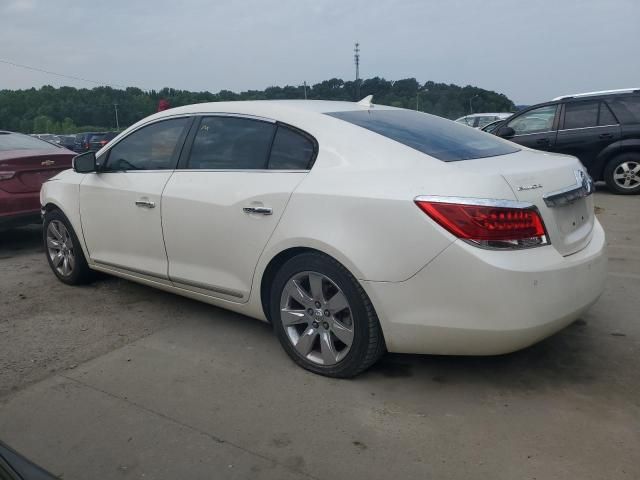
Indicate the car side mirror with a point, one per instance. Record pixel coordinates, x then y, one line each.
506 132
85 162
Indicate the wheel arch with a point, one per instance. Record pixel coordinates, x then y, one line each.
280 259
612 151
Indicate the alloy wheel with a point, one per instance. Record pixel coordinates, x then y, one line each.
627 175
317 318
60 248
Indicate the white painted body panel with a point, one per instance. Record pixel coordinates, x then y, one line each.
432 292
211 242
117 232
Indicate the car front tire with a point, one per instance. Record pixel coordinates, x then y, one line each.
622 174
63 250
323 318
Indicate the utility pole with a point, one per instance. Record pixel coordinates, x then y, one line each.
305 89
115 106
356 58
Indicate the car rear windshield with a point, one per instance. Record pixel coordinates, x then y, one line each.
17 141
440 138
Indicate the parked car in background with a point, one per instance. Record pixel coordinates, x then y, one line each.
82 142
602 129
67 141
275 209
25 163
48 137
479 120
490 127
99 140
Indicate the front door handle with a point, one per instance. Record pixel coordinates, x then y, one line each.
145 203
260 210
543 141
605 135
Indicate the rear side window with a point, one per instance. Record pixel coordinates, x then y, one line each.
230 143
437 137
291 150
580 115
606 117
627 109
17 141
154 147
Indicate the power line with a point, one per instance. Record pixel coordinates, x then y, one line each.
35 69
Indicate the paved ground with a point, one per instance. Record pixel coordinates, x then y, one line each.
117 380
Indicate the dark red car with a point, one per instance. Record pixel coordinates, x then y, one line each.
25 163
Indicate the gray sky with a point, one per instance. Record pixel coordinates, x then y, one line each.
529 50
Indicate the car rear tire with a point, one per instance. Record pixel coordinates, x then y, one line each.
323 318
63 250
622 173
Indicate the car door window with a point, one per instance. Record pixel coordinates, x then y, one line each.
606 117
231 143
291 150
580 115
626 108
154 147
537 120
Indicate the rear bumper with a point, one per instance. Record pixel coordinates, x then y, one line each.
19 208
470 301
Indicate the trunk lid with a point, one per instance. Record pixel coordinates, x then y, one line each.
534 176
31 168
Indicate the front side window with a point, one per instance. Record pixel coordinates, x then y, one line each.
291 150
231 143
154 147
437 137
537 120
580 115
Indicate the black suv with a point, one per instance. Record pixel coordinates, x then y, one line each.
602 129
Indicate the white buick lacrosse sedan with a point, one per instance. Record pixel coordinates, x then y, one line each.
353 228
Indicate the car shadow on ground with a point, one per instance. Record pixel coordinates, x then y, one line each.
19 240
568 357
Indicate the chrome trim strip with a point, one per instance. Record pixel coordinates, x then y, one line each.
585 128
565 196
206 286
484 202
533 133
188 283
130 269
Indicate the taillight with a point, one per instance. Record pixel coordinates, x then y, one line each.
500 224
7 175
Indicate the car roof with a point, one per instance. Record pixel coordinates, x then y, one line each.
269 107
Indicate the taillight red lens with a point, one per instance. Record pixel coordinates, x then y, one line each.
488 225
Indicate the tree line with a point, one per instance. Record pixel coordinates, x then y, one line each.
70 110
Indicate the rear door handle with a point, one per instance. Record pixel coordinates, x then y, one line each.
605 135
543 141
260 210
142 202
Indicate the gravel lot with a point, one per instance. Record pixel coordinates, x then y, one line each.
117 380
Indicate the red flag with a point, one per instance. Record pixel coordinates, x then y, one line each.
163 105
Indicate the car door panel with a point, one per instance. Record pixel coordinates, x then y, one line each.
120 205
117 231
535 128
212 243
588 139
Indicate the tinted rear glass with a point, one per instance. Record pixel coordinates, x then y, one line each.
626 108
440 138
17 141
